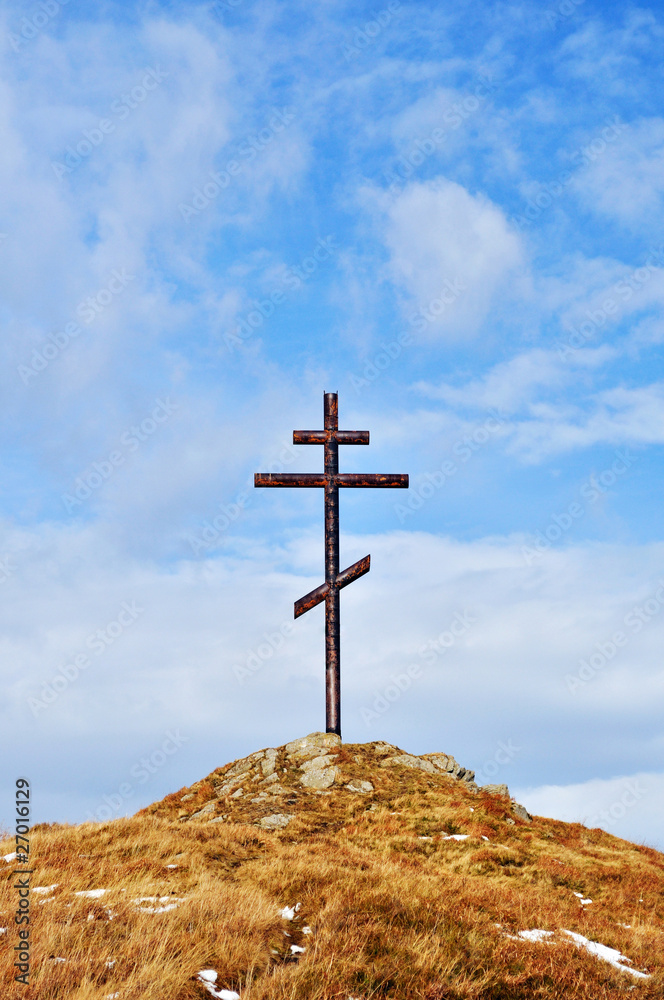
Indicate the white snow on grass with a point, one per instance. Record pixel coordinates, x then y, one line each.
297 950
9 857
172 866
3 930
166 903
306 930
535 935
457 836
610 955
288 912
209 977
91 893
46 888
584 902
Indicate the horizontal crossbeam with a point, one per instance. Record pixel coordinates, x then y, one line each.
307 479
322 437
371 479
318 595
289 479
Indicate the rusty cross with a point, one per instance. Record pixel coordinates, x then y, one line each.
331 479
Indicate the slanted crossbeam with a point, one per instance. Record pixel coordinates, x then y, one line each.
331 481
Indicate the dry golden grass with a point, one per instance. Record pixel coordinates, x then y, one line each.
391 914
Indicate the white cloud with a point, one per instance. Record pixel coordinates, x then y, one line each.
174 664
451 252
625 179
630 806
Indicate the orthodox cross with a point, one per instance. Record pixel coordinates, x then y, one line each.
330 480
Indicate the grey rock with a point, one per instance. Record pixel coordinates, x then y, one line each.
277 790
271 778
241 767
448 765
208 808
510 821
185 798
315 763
238 794
221 790
219 819
318 772
384 748
521 812
501 790
359 786
407 760
319 778
275 822
314 741
269 763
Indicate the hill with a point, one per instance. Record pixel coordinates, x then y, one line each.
323 870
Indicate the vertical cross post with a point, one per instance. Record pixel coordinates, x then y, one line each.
332 603
331 437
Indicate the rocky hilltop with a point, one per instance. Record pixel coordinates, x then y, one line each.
321 870
272 786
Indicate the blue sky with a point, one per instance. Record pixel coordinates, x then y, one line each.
451 214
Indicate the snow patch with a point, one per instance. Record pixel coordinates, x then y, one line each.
535 935
91 893
610 955
209 977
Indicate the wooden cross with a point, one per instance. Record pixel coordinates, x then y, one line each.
331 479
